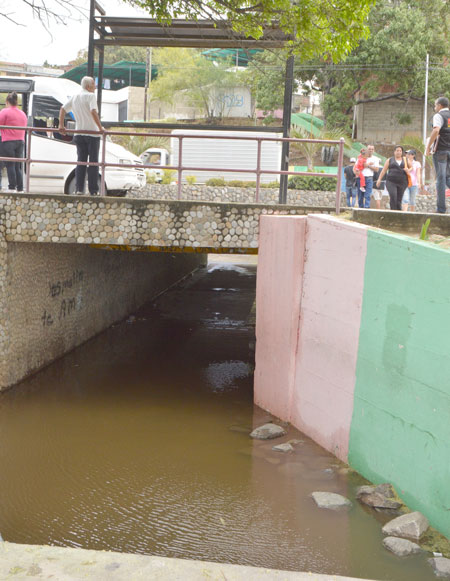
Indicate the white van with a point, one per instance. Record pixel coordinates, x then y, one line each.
42 98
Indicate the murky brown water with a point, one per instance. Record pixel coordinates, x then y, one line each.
138 442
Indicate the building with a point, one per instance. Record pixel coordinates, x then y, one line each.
390 120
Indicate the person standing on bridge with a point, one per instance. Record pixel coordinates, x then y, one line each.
84 108
440 142
12 143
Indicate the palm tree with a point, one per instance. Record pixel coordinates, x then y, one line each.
311 150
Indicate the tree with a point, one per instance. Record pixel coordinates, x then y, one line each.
310 150
391 62
318 27
265 76
388 64
48 12
201 80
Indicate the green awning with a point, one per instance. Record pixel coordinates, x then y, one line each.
243 56
115 76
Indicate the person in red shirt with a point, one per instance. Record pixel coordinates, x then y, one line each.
13 141
358 168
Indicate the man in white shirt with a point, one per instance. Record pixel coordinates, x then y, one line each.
441 156
372 165
84 108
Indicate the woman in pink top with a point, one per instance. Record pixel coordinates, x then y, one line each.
409 197
13 141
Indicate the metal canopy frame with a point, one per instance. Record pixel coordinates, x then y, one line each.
148 32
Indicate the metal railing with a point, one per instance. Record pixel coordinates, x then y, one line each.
179 168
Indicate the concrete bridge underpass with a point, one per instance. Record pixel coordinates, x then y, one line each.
64 279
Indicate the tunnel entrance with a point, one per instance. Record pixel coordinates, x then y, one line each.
138 441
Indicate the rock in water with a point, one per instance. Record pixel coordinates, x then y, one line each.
331 500
267 432
441 566
380 496
400 547
283 448
411 525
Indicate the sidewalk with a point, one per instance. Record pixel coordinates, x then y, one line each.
33 562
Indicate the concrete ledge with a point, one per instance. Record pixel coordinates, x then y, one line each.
403 221
28 562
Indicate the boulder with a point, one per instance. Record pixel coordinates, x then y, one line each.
441 566
283 448
411 525
331 500
268 432
381 496
400 547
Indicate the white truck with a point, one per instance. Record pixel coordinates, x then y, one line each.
41 99
216 153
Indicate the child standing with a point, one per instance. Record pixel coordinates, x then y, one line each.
358 168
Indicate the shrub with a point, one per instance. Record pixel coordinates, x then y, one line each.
215 182
191 180
167 176
150 177
249 184
236 184
316 184
273 184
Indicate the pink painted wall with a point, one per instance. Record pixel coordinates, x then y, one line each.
333 281
278 293
308 311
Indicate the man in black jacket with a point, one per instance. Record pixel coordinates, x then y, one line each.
441 155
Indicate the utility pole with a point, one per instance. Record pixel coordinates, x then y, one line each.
148 75
425 114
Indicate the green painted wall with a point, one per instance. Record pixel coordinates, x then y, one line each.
400 429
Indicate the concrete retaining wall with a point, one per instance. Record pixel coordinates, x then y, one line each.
56 296
358 342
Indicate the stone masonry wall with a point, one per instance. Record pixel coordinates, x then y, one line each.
228 194
54 297
108 221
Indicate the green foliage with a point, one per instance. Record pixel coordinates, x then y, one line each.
168 176
316 184
202 81
191 180
137 144
150 177
216 182
311 149
319 27
424 230
404 119
273 184
390 61
265 77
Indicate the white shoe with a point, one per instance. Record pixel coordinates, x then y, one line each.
10 191
79 194
20 192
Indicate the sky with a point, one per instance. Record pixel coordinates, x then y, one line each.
29 42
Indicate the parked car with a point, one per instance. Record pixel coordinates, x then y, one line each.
41 99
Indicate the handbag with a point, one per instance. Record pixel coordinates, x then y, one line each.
407 174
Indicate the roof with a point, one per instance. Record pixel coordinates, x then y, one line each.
115 30
120 74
